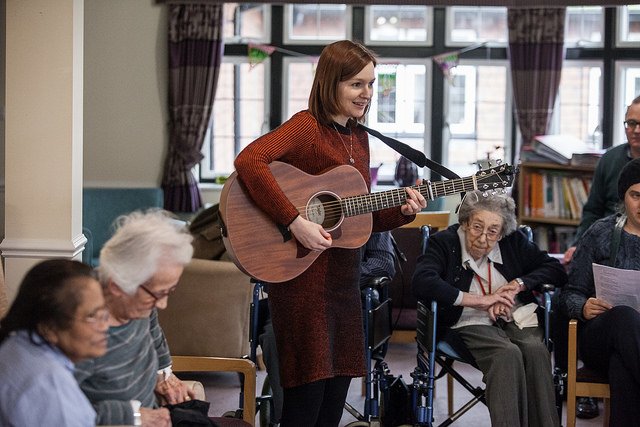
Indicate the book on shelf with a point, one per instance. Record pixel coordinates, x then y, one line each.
554 194
554 239
561 149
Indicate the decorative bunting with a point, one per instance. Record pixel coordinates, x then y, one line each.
258 53
447 62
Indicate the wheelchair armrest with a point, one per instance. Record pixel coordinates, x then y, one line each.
548 287
375 282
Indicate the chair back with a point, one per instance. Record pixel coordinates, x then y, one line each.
411 240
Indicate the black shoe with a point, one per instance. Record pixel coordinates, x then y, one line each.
586 407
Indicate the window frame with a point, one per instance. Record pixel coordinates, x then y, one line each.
449 27
286 36
620 109
212 176
267 29
621 25
367 30
509 122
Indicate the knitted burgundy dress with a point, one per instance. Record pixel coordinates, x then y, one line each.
317 317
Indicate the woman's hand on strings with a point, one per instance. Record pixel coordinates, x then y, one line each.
310 235
414 204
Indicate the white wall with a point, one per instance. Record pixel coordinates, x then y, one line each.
125 93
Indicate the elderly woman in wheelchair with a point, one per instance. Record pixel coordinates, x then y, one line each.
482 272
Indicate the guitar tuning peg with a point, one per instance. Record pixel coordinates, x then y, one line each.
498 162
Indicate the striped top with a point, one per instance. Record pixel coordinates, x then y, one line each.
127 371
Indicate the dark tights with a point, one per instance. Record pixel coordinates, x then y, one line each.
317 404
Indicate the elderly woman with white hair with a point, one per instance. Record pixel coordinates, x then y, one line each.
139 267
482 272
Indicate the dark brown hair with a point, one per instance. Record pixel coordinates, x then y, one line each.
338 62
48 295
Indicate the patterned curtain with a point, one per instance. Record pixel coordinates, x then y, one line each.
536 51
195 54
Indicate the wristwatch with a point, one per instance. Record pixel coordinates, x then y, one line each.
137 417
520 282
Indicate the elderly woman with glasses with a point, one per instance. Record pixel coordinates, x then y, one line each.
139 268
57 319
482 272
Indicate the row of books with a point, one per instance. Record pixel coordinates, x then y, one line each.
553 194
554 239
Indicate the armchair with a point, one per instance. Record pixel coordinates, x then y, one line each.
206 325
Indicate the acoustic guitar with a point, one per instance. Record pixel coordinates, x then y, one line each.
338 199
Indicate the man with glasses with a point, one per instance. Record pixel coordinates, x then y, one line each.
603 196
139 268
603 201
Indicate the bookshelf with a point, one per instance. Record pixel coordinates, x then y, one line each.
550 200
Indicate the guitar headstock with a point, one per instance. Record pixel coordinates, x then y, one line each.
496 177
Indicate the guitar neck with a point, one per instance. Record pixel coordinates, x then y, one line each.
367 203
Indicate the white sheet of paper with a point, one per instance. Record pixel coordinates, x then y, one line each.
617 286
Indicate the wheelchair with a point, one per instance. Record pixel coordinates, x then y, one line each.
432 351
377 331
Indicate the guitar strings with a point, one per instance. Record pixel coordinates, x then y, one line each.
334 209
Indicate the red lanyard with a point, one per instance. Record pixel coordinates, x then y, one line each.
479 279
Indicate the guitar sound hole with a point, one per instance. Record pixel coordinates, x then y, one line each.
325 209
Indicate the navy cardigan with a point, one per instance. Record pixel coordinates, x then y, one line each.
439 273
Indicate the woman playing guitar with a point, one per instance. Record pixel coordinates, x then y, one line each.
317 316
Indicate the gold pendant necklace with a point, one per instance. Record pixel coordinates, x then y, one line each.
350 151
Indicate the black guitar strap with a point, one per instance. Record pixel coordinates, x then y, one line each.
412 154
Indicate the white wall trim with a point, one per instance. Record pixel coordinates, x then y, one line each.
43 248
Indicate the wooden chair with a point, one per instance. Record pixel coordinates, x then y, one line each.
409 240
583 382
224 364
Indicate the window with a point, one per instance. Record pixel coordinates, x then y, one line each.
628 78
244 21
467 24
316 23
399 110
239 115
392 24
578 110
584 26
629 25
476 106
478 115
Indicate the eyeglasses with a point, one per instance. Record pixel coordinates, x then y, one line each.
631 124
478 230
158 296
101 315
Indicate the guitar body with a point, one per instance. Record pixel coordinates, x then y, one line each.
260 248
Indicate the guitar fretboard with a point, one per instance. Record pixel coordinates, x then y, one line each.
367 203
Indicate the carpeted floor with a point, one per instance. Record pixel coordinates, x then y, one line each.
222 391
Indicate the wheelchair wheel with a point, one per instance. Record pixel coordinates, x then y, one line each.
266 405
233 414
